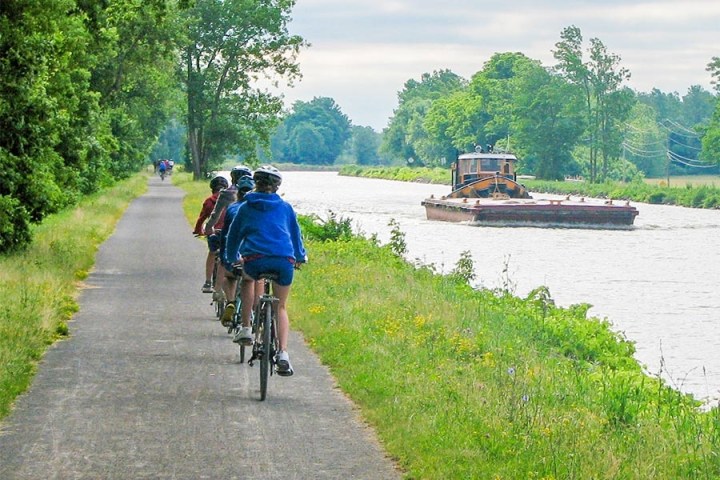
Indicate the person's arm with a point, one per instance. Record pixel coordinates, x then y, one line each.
296 237
204 212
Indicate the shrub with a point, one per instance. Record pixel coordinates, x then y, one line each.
14 225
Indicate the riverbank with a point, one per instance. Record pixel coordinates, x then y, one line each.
461 383
702 195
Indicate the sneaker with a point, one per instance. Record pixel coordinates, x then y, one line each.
282 362
244 336
227 316
218 296
207 288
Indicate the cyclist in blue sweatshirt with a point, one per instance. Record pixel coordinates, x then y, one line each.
265 237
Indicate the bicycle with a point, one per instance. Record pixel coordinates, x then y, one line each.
264 328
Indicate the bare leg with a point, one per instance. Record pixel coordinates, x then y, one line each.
247 294
229 286
209 264
282 293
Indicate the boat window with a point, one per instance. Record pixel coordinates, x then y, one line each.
491 164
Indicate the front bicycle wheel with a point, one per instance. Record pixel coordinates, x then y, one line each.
266 360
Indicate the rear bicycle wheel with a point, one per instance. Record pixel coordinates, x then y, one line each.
266 360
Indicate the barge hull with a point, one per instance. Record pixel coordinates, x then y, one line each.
551 213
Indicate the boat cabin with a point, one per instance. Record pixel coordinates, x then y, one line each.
473 166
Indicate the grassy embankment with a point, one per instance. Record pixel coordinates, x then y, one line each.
461 383
38 287
697 192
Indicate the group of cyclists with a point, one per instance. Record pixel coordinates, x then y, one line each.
252 231
163 167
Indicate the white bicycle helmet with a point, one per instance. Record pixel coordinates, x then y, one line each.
268 175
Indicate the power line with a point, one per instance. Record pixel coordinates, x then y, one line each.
643 153
693 134
674 157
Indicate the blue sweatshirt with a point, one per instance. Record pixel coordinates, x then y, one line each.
264 224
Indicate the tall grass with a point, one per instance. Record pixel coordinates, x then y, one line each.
461 383
479 384
38 287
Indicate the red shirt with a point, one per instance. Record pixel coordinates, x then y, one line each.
207 209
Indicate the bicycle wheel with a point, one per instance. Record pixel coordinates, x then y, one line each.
266 360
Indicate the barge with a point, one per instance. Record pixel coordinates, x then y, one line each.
486 192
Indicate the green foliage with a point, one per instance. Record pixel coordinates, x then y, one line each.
463 383
335 228
397 243
711 139
228 46
86 87
14 225
315 132
406 132
365 146
464 270
607 103
703 196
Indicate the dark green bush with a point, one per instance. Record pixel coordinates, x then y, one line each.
14 225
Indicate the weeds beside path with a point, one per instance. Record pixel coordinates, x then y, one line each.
38 287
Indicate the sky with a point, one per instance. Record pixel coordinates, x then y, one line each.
362 53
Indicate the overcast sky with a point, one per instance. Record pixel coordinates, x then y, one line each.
362 52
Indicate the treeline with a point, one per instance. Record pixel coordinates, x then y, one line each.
575 118
87 87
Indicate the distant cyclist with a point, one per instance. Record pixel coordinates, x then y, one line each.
162 168
213 239
265 237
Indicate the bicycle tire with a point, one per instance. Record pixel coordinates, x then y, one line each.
266 360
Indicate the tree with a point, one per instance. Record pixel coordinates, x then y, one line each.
606 103
645 143
231 44
547 122
134 45
406 135
711 140
365 144
314 132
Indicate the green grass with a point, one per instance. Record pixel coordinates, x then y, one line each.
39 287
683 181
475 384
461 383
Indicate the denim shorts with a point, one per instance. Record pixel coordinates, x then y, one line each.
213 242
283 267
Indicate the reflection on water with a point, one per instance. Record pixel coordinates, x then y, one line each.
657 283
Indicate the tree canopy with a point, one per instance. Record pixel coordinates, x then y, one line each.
230 46
314 132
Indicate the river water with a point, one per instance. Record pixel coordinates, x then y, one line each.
658 284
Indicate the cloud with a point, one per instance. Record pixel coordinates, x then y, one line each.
363 53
